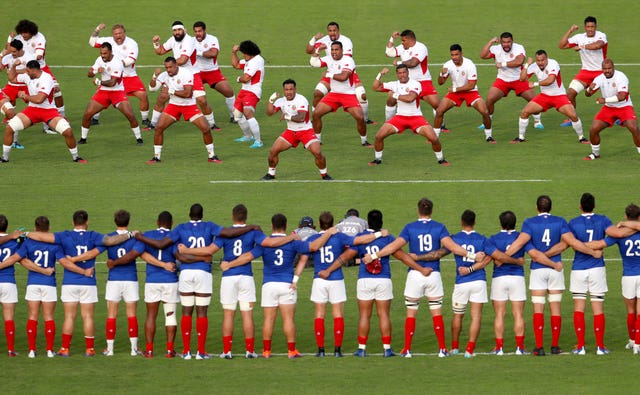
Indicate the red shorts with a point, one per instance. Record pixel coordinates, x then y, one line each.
356 79
548 102
105 98
47 70
189 113
506 87
36 114
427 88
459 97
306 137
336 100
211 78
133 84
11 91
610 114
245 99
413 122
3 96
197 83
587 76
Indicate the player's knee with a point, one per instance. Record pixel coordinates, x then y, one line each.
361 94
322 89
188 300
237 115
538 300
229 306
597 297
6 107
435 304
576 86
578 295
202 300
412 304
555 298
62 126
170 314
245 306
459 308
16 124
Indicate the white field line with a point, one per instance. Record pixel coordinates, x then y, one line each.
371 181
305 66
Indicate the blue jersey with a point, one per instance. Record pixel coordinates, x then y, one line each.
44 255
195 234
371 248
8 274
237 246
501 242
327 254
76 242
473 242
278 261
423 236
588 227
128 271
629 252
546 230
157 274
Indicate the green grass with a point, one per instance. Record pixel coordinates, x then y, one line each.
41 180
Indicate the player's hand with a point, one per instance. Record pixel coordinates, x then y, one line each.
521 261
597 254
385 70
531 85
156 39
293 287
574 28
463 270
426 271
413 256
494 40
324 274
13 35
110 264
480 256
48 271
395 34
367 258
235 48
100 27
273 97
18 232
97 81
444 72
333 230
600 100
89 272
318 36
224 266
321 47
181 247
558 266
385 232
170 267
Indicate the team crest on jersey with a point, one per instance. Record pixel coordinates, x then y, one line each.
206 45
462 74
613 85
108 69
33 45
178 82
511 55
124 47
294 107
339 67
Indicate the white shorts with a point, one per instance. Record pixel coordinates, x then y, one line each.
473 291
511 288
122 290
195 281
546 279
593 281
323 291
240 288
41 293
630 287
276 293
161 292
374 289
8 293
79 293
418 286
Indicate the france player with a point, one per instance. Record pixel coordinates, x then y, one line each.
8 289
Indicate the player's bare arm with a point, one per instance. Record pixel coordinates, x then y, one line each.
235 61
485 53
123 260
93 39
377 83
85 256
10 261
464 270
344 257
279 241
541 258
577 245
621 96
432 255
45 237
322 240
72 267
523 238
206 250
564 41
11 236
239 261
159 244
231 232
407 260
557 249
623 229
387 250
443 76
302 262
150 259
31 266
464 88
157 47
368 238
191 258
452 246
504 258
311 46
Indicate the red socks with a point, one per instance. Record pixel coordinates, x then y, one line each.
111 328
32 331
556 326
409 330
338 331
579 326
133 326
318 329
185 327
202 326
438 328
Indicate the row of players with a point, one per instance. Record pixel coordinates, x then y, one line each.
340 85
543 237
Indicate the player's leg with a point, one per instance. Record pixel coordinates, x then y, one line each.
320 110
579 304
248 328
144 106
280 145
188 301
204 106
390 108
597 305
224 87
93 107
412 305
321 90
383 308
202 301
254 126
362 99
7 109
517 310
112 314
435 308
8 313
530 108
15 124
361 124
269 319
576 123
87 311
320 160
597 126
430 134
228 316
555 299
164 122
61 125
207 138
481 107
385 131
132 325
438 121
474 327
632 318
538 299
161 100
499 309
70 311
48 314
575 87
456 328
632 125
528 95
150 326
493 96
365 308
171 326
337 310
636 309
287 312
125 108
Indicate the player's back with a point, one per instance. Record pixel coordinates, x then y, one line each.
473 242
234 247
501 241
154 273
423 236
327 254
7 275
586 228
372 248
44 255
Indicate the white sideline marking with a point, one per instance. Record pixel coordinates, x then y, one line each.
303 66
369 181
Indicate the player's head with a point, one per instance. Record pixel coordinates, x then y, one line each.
352 212
590 25
507 220
118 32
279 222
121 218
333 30
325 220
239 213
289 88
541 58
306 222
587 202
26 29
80 218
196 212
402 72
42 224
171 65
506 41
4 223
468 218
336 50
15 46
249 48
199 30
543 204
33 69
408 38
455 51
374 218
632 212
106 51
425 206
608 68
177 29
165 220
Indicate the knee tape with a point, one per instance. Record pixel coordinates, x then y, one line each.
412 304
62 125
576 86
170 314
237 114
16 124
459 308
6 107
597 297
435 304
322 88
555 298
245 306
230 306
203 300
361 94
538 299
187 301
579 295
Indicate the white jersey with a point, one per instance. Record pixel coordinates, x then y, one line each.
42 84
111 69
420 52
611 86
336 67
37 43
186 47
207 64
406 109
255 68
553 68
461 75
291 108
347 45
591 58
9 60
508 74
352 225
128 51
177 82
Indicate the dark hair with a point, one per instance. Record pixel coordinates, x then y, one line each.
352 212
165 219
17 44
425 206
332 23
408 33
325 220
455 47
4 223
239 213
541 52
506 35
26 26
468 218
590 19
250 48
121 218
200 24
288 81
33 64
543 204
106 45
402 66
177 23
80 217
279 221
170 59
374 218
42 224
587 202
507 220
336 43
632 211
196 211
